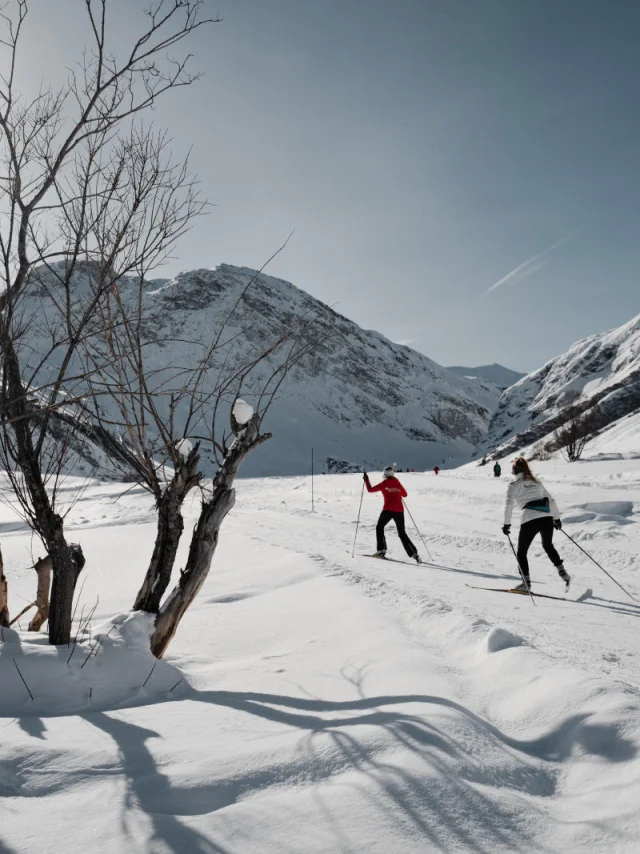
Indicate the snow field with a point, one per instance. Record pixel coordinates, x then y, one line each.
339 704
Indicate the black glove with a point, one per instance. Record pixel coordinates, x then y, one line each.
557 524
365 476
506 529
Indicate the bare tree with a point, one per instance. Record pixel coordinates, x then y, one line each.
219 497
87 193
572 437
214 509
163 415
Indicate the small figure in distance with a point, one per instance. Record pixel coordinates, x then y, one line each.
497 471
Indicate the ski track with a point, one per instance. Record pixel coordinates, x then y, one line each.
549 632
482 775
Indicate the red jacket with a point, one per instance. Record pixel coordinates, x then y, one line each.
393 492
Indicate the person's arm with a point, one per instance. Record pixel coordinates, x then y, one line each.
376 488
403 491
508 505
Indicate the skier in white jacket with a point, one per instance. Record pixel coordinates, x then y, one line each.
540 515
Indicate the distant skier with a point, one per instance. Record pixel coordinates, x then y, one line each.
540 515
497 471
393 492
436 469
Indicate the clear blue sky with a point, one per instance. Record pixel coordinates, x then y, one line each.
424 151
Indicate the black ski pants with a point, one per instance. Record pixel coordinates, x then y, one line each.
544 527
381 543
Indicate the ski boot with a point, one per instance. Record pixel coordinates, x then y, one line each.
416 557
381 555
523 587
564 575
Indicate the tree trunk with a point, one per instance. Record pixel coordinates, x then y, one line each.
43 568
4 596
169 531
201 551
66 562
205 537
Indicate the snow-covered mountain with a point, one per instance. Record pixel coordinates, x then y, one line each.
599 374
495 373
357 398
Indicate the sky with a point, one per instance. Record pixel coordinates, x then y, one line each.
460 175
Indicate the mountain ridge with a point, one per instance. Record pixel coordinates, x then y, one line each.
358 397
599 374
494 373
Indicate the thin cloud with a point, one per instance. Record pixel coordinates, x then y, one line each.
531 265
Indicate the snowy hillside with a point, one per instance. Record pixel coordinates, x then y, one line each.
601 373
620 439
315 703
357 397
496 374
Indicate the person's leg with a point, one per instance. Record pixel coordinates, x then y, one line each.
384 519
546 533
409 548
525 538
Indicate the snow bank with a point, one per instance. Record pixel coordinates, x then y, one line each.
111 669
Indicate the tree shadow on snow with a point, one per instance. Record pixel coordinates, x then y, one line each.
443 794
459 786
151 792
33 726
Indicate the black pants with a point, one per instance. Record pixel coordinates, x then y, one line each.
385 517
544 527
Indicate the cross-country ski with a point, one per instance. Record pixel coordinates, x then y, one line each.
525 592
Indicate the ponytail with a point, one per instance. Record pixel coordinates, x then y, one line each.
521 466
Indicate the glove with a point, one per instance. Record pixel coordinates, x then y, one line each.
557 524
365 477
506 529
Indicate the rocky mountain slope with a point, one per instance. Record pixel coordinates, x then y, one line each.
357 397
496 374
599 374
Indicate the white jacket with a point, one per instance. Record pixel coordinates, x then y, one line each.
522 491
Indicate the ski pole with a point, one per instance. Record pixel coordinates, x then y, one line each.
426 547
524 580
598 565
353 553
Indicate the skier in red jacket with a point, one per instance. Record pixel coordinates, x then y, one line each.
393 492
